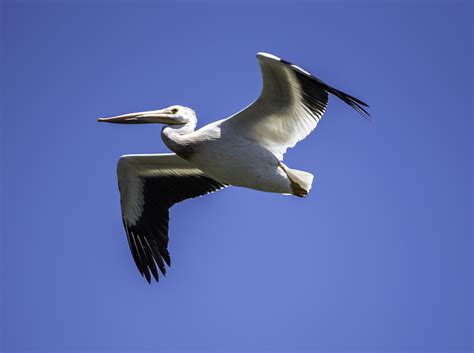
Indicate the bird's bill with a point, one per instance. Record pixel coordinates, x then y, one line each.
150 117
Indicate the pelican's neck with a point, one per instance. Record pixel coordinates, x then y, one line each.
176 137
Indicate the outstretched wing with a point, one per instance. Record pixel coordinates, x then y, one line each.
290 106
149 185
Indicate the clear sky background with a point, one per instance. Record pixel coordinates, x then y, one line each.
377 259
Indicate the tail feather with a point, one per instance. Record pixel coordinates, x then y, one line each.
301 182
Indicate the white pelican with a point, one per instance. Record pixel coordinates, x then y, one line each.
244 150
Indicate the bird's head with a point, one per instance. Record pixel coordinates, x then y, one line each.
174 115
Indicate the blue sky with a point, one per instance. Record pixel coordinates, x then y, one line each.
377 259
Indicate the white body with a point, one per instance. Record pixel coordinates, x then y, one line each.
229 158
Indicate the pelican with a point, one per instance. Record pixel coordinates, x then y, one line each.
245 149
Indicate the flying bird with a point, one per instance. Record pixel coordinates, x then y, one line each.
243 150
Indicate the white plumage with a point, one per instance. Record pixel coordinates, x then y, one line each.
244 150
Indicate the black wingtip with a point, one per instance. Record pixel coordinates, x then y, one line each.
355 103
166 257
147 276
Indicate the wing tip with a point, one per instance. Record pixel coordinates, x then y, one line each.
353 102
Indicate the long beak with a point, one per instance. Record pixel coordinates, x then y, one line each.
154 116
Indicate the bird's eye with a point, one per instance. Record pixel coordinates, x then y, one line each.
174 111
